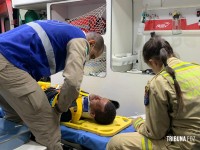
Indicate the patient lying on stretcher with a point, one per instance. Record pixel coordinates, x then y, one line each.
102 110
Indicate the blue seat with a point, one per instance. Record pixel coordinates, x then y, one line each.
12 135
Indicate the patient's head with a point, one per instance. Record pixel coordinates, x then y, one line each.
102 110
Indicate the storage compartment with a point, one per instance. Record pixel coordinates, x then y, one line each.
123 62
89 15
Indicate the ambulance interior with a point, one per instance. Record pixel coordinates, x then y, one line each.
120 73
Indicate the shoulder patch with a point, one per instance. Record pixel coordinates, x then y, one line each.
146 96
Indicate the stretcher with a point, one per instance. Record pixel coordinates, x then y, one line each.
82 137
86 134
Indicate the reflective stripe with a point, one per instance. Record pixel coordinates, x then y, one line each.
180 64
150 144
146 144
138 122
143 144
180 67
47 45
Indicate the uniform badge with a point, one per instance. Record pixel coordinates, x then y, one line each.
146 96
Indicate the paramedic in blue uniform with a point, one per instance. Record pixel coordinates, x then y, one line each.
35 50
172 102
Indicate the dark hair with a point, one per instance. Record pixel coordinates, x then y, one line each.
106 116
98 39
160 49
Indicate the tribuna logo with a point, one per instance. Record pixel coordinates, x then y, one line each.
180 138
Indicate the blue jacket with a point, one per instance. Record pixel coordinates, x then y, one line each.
39 47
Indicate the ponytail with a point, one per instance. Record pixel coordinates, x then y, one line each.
163 57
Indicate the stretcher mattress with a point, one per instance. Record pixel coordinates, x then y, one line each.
87 139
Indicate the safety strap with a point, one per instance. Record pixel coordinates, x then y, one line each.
83 93
85 104
55 100
46 44
77 112
146 144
